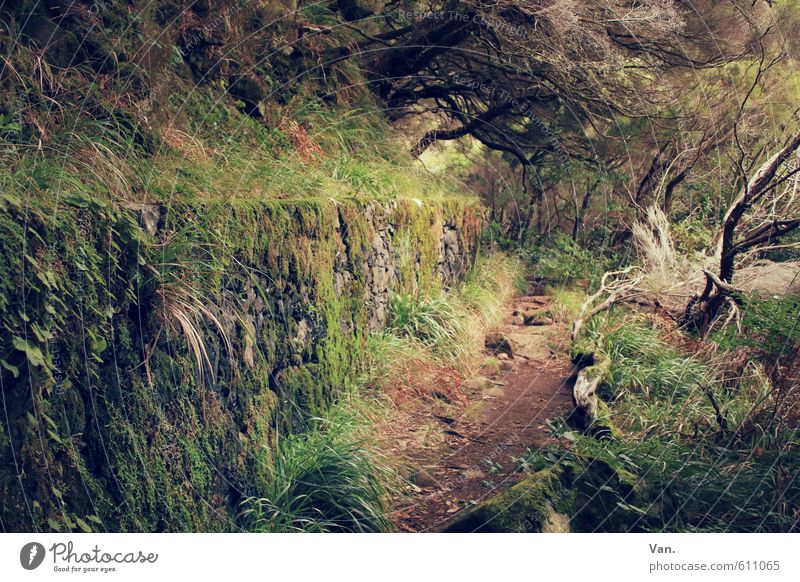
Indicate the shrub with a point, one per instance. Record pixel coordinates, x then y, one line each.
691 235
772 326
561 260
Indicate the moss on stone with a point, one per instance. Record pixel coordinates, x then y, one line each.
604 498
157 449
603 426
535 504
577 494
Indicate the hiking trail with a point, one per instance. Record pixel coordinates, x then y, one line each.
503 413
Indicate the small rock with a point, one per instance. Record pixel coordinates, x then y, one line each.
535 299
476 383
499 344
538 320
490 367
150 215
424 479
556 523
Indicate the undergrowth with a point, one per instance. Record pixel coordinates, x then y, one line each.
706 451
648 366
560 260
330 478
567 302
772 325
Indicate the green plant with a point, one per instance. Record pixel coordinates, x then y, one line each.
771 326
567 302
8 126
447 323
387 353
181 271
436 322
691 234
328 479
494 233
489 284
559 259
642 361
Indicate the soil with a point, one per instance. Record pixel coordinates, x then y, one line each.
462 451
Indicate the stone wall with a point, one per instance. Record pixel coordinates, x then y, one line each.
116 420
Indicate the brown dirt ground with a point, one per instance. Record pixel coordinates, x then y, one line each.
460 448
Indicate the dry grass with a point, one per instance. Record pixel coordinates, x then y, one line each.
447 328
671 277
182 312
305 147
190 147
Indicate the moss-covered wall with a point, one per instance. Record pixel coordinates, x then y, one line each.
108 423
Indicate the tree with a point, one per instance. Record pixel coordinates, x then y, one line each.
766 209
549 82
540 75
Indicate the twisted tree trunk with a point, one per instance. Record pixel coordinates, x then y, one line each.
702 310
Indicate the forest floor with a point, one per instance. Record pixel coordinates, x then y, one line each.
462 449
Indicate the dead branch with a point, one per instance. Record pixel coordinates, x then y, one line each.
752 200
617 289
726 287
721 421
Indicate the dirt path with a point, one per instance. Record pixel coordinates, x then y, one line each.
503 414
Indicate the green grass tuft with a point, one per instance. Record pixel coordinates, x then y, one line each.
436 322
644 362
451 325
328 479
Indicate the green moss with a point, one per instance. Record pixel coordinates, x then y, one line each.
534 504
576 494
158 449
259 436
605 497
418 230
603 426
